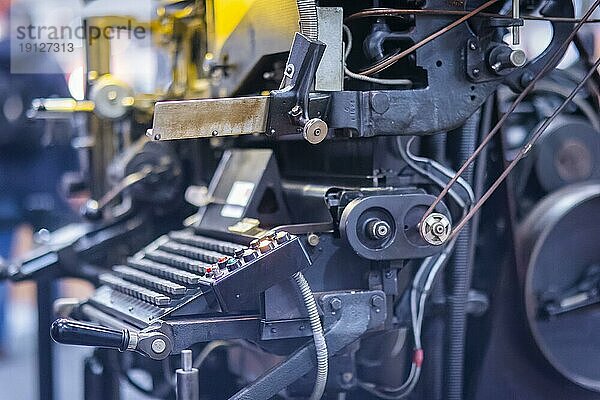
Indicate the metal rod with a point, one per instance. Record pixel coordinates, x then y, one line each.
516 30
188 378
388 62
557 55
523 152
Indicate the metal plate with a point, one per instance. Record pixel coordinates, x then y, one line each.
191 119
330 75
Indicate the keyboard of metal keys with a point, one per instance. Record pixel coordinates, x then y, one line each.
183 274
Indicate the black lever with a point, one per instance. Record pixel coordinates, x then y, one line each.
289 106
77 333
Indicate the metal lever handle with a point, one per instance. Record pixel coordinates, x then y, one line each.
59 108
66 331
93 210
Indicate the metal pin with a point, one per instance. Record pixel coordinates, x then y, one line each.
516 30
188 383
186 360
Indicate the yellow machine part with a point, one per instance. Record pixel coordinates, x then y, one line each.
227 14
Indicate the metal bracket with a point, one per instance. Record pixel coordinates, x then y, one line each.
289 106
357 313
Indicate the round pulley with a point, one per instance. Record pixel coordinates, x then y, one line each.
561 257
315 131
384 226
112 98
568 153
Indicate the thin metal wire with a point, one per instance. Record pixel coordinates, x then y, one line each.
524 151
396 12
550 65
388 62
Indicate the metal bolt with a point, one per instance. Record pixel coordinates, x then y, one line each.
313 239
273 330
335 304
158 346
476 71
378 230
436 229
473 46
112 95
347 377
377 302
296 111
518 58
157 136
215 133
289 71
383 229
43 236
527 78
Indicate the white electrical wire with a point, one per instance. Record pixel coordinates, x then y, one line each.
319 337
354 75
418 294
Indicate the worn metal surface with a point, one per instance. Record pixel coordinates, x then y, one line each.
190 119
330 74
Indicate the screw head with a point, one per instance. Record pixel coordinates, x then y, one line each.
159 346
335 304
289 71
476 71
296 111
379 230
518 58
347 377
436 229
473 46
313 239
377 301
43 236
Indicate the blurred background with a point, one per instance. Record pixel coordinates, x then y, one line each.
38 159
